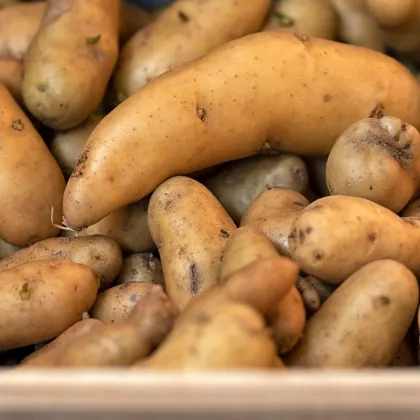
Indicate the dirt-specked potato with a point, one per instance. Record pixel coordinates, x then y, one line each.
185 31
31 182
69 62
143 268
41 299
363 322
184 121
115 304
376 159
274 212
306 17
101 254
190 229
335 236
241 182
11 76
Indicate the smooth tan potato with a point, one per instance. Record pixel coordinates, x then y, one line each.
306 17
238 184
11 76
41 299
335 236
127 226
132 19
183 32
69 62
31 182
190 229
143 268
115 304
363 322
67 146
378 160
357 26
412 209
185 121
274 212
48 354
18 26
6 249
390 12
317 175
102 255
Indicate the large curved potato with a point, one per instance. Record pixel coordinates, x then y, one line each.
69 62
183 32
378 160
306 17
229 105
241 182
41 299
31 182
190 229
363 322
274 213
335 236
11 74
102 255
144 268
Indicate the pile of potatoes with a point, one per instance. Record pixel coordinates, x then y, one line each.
220 185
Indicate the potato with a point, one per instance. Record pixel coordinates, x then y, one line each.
132 19
190 229
142 268
310 296
357 26
18 26
241 182
30 182
185 121
363 322
41 299
48 354
185 31
335 236
123 344
246 245
127 226
5 3
116 303
102 255
69 63
274 212
389 13
67 146
317 175
306 17
378 160
6 249
11 76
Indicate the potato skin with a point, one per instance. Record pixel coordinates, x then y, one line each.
274 212
65 77
42 299
335 236
238 184
27 168
363 322
185 31
190 229
101 254
389 14
376 159
238 103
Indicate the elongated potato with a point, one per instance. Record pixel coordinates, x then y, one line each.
30 180
11 76
18 26
274 213
116 303
363 322
42 299
306 17
102 255
185 31
378 160
183 121
241 182
335 236
132 19
190 229
144 268
65 76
